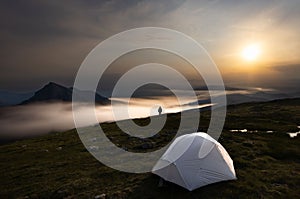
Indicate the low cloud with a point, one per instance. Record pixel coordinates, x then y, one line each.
17 122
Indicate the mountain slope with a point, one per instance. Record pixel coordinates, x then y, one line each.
56 92
58 166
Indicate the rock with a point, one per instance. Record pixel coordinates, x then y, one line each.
102 196
125 148
94 148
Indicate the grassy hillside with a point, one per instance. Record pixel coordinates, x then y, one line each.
58 166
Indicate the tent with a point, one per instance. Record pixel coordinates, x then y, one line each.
195 160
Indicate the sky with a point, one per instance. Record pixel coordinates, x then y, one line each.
44 41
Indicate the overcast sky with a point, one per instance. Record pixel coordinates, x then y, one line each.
44 41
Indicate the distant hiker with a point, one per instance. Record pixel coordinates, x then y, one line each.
159 110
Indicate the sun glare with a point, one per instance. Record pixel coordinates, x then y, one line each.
251 52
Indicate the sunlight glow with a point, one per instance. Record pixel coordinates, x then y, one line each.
251 52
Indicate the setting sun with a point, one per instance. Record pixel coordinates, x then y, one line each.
251 52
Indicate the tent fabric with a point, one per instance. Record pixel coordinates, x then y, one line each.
195 160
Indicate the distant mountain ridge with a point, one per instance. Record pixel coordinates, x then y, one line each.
258 96
8 98
55 92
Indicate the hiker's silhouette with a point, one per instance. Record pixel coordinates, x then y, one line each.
159 110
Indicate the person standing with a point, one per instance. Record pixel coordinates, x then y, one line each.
159 110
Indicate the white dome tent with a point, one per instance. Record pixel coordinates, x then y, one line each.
195 160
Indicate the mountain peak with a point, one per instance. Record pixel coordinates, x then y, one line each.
53 84
55 92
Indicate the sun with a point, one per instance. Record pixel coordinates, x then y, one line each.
251 52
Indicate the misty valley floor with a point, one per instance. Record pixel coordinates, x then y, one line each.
58 166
